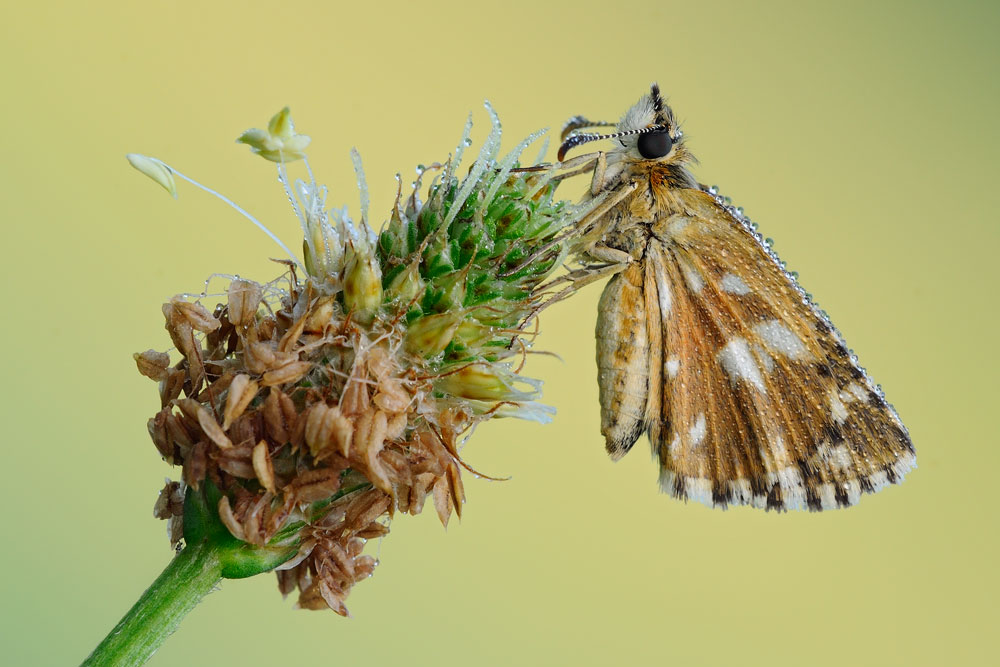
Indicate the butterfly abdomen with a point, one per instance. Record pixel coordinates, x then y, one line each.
622 361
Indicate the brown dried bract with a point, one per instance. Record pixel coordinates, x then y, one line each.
305 417
152 364
244 300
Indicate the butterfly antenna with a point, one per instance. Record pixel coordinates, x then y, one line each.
576 139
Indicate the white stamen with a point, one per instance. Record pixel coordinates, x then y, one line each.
242 212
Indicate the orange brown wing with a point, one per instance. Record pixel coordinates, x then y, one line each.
762 403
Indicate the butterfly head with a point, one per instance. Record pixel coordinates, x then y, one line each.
646 132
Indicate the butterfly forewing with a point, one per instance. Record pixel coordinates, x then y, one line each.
747 392
761 401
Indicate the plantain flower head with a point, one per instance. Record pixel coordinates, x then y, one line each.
306 411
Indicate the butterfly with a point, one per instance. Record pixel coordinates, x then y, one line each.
747 392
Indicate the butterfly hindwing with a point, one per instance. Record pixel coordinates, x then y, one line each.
761 403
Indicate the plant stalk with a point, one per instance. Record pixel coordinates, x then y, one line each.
190 575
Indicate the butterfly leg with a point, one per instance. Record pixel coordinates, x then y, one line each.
603 253
594 226
600 169
576 166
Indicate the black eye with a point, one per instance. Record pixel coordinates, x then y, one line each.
655 144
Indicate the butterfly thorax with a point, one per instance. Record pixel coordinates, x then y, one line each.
663 192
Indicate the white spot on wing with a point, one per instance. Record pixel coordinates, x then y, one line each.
781 453
692 277
827 496
855 390
837 407
840 457
677 226
675 444
699 490
879 480
904 464
793 491
737 361
780 339
740 491
733 284
667 480
764 357
853 489
697 432
666 301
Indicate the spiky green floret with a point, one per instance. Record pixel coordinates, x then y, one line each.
456 280
486 262
466 265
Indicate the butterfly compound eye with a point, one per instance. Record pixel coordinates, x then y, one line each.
655 144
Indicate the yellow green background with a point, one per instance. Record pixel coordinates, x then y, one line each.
862 136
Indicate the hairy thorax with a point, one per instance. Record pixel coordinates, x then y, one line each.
661 198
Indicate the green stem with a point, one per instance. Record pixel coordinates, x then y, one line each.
189 576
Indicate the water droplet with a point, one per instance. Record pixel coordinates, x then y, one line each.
769 242
421 168
739 211
468 142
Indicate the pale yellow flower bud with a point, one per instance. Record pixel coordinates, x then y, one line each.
429 335
279 142
478 381
362 283
155 169
408 284
473 334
